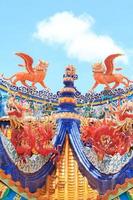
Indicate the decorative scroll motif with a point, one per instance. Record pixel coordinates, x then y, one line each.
32 164
110 164
44 95
104 95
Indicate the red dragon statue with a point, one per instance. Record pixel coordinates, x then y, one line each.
113 135
30 137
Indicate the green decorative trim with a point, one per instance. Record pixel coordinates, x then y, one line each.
130 196
5 193
14 188
121 191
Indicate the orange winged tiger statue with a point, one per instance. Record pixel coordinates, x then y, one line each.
35 74
103 74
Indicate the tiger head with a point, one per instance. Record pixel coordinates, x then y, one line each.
98 67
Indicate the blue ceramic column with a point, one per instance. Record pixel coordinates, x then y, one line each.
67 100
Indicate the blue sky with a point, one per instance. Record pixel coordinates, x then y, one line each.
66 32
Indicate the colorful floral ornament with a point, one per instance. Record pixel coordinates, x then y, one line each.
105 140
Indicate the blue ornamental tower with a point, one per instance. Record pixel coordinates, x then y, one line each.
67 100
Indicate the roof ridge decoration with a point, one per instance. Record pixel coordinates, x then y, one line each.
67 108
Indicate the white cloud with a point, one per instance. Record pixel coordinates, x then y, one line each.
76 35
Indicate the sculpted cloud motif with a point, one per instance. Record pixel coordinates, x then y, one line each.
76 35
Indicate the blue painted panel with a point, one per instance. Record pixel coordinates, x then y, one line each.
124 196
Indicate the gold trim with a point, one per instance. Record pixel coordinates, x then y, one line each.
67 182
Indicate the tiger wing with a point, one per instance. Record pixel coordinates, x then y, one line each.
28 61
109 63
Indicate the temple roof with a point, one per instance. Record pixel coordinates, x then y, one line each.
71 175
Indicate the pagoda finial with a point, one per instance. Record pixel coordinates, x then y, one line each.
67 100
